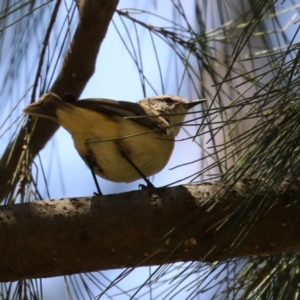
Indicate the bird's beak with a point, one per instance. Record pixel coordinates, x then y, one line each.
194 103
37 109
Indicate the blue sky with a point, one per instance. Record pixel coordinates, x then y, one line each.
116 77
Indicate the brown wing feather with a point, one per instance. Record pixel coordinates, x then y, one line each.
120 108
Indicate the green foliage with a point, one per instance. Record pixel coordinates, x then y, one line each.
244 58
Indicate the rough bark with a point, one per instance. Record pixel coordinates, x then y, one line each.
78 67
206 223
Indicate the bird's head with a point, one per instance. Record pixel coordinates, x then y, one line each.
172 108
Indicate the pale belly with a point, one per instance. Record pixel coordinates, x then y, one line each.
150 152
149 155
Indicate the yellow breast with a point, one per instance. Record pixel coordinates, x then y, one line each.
105 136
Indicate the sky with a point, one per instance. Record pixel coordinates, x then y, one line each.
116 77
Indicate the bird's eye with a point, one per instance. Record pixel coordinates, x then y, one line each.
169 100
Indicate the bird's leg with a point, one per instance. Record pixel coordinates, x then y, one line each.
149 184
89 161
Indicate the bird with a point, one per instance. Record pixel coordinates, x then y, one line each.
118 140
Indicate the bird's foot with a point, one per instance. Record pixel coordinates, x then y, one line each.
148 186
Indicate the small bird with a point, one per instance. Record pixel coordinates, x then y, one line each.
118 140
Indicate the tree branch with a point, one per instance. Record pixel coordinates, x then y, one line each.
78 67
148 227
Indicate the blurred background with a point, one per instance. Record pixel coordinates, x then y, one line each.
239 55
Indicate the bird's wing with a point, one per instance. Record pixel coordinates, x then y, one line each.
120 108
